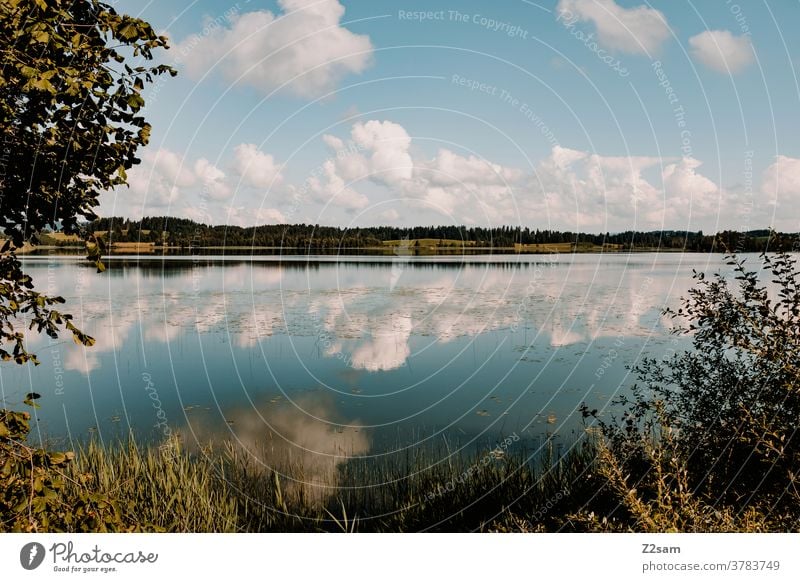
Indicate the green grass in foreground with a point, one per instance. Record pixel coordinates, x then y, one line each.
128 487
222 490
170 489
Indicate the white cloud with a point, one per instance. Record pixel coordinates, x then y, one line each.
332 189
270 215
199 214
212 179
244 216
562 157
333 142
449 168
257 169
380 153
637 30
467 188
781 186
171 167
388 347
570 189
685 190
304 46
722 51
782 178
168 183
158 180
388 144
589 192
389 215
164 178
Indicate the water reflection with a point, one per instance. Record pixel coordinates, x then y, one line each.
371 319
305 440
473 346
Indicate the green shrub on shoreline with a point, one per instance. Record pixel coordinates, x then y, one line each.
708 440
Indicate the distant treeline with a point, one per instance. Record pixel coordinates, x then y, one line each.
182 232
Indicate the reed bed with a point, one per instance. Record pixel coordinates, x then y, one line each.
170 488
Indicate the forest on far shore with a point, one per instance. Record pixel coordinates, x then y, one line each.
186 233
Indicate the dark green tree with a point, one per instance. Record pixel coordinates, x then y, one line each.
70 121
73 73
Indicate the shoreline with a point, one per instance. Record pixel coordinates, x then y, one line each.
354 251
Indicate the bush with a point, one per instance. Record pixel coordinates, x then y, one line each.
34 486
713 431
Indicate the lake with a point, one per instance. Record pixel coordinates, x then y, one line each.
345 354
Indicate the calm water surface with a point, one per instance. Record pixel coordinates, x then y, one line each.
366 355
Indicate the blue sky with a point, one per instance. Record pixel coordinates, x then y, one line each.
587 115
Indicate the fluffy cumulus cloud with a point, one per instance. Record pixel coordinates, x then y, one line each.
248 216
585 191
449 168
159 179
164 177
686 190
256 168
212 180
568 189
636 30
375 174
468 188
388 144
304 47
389 215
722 51
169 183
782 178
379 153
377 150
330 188
781 188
